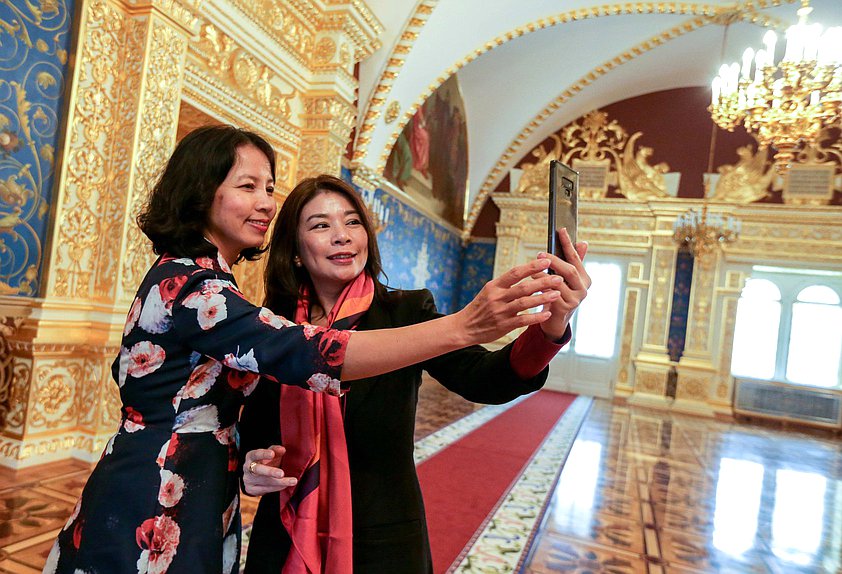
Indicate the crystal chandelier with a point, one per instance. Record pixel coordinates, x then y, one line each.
700 232
784 104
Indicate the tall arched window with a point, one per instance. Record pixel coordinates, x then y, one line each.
789 327
756 331
815 339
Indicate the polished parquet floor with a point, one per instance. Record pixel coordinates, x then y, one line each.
641 491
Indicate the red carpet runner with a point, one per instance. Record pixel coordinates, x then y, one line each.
463 483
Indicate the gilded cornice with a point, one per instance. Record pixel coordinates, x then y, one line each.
392 67
221 56
224 100
180 12
293 24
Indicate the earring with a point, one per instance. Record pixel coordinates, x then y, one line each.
297 261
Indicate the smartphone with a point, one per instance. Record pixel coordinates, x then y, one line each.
563 208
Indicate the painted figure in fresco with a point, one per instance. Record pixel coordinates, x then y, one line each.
419 139
164 497
324 269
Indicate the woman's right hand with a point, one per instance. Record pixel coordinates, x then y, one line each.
498 307
262 472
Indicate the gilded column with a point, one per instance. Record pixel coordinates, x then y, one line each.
652 363
124 96
346 32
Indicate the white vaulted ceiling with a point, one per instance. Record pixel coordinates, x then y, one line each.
516 59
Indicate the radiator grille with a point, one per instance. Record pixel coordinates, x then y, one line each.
788 402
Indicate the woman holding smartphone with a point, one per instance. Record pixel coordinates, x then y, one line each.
323 269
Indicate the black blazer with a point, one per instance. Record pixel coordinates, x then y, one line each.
390 529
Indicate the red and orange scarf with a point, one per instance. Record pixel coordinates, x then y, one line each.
317 511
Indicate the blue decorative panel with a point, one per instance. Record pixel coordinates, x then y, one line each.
34 43
680 304
418 253
477 269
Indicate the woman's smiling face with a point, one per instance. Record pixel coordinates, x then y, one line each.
332 240
243 206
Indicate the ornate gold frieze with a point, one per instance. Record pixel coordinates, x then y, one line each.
222 56
595 142
292 24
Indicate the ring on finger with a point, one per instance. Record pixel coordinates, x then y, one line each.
252 464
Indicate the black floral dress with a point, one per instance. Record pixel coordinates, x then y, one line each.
164 497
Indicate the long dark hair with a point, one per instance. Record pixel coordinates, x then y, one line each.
282 279
176 214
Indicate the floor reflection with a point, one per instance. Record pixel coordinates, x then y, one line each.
644 491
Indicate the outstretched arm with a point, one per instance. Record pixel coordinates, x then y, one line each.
496 310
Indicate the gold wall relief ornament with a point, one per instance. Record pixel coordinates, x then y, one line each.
156 126
324 51
629 321
392 112
8 328
692 388
638 180
535 178
222 57
660 297
94 181
746 181
605 154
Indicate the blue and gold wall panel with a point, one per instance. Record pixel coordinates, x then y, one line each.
34 45
477 269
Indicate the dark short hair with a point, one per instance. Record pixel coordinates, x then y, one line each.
176 213
282 279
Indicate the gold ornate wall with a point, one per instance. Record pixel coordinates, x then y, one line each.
795 236
284 69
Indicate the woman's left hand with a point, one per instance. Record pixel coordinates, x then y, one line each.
573 290
262 472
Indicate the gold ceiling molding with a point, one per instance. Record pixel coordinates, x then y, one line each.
704 15
394 63
410 34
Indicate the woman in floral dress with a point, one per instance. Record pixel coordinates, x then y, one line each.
164 496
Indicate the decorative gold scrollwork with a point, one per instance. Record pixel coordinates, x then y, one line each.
747 180
597 142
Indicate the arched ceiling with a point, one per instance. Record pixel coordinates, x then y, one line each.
528 68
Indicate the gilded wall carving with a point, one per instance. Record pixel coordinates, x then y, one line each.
156 130
90 210
35 40
224 58
629 321
8 328
699 320
746 181
595 142
660 298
